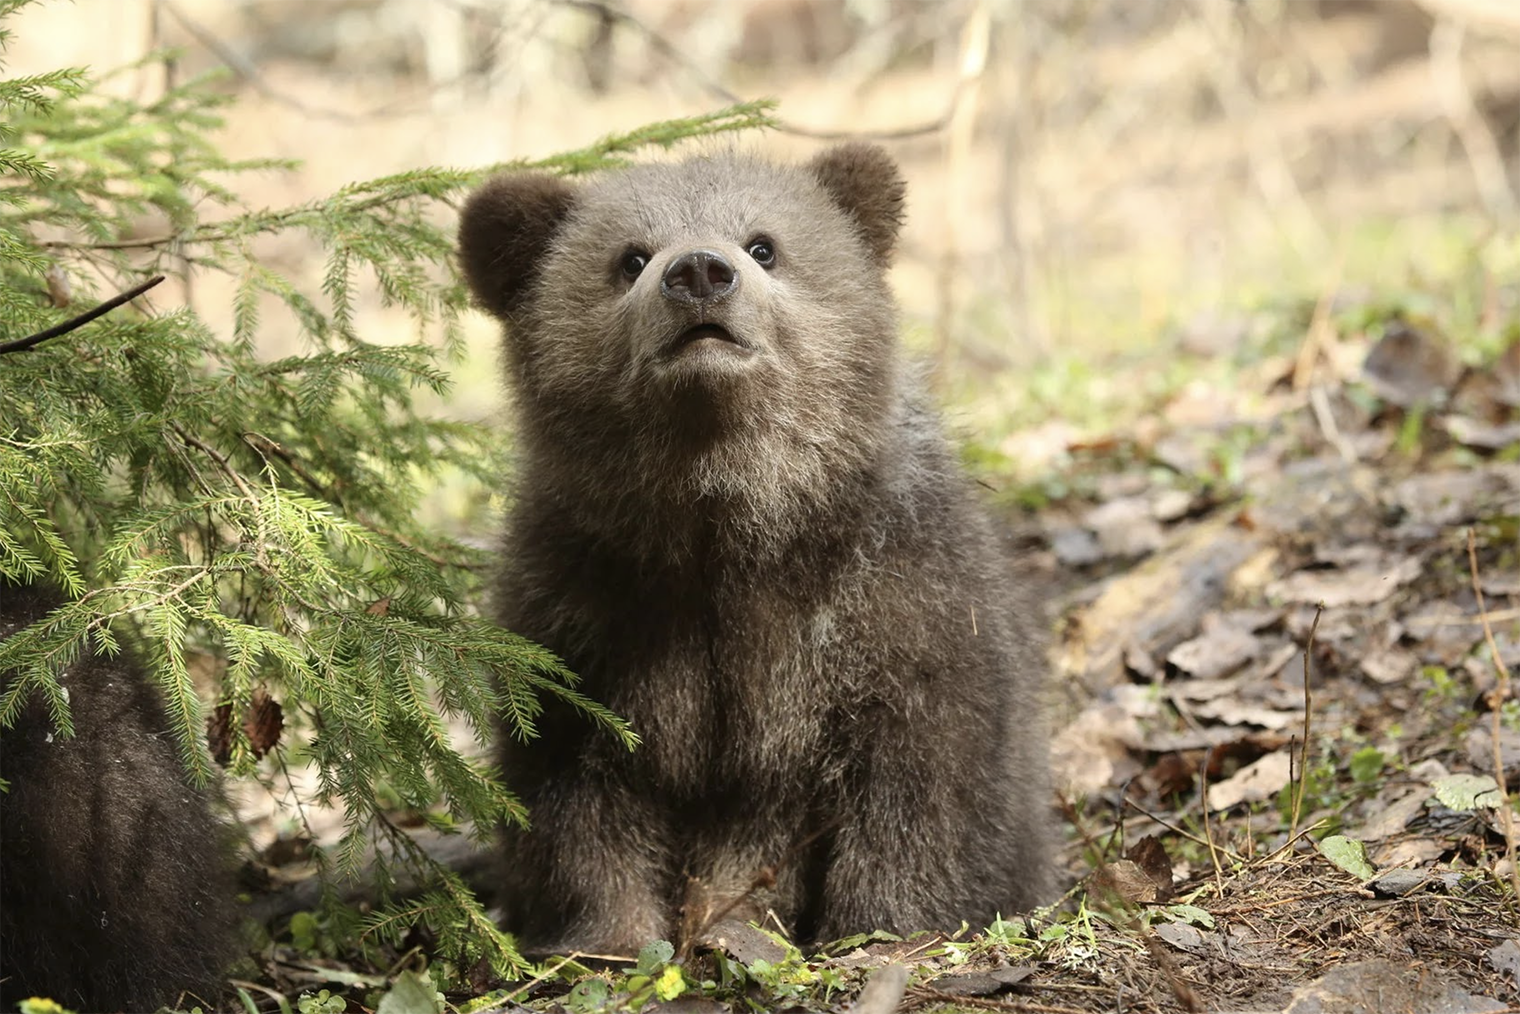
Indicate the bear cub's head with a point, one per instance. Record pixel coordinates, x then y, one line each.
679 309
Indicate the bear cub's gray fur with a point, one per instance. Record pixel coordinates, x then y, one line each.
737 520
115 877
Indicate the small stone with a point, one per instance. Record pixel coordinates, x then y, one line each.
1397 883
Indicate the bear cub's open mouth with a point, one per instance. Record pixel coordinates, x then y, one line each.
708 335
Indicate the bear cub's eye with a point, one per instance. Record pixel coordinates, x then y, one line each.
763 251
633 263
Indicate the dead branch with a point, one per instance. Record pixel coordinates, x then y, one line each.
246 71
1497 697
1303 755
1268 159
672 52
976 37
1208 826
1501 16
33 340
1467 123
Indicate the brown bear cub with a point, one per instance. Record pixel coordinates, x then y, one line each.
736 519
115 893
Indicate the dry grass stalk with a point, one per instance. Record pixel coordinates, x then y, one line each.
1303 753
1496 698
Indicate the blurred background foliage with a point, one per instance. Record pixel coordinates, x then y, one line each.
1108 201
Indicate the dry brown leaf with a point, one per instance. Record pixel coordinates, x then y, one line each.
1253 783
1232 712
1390 816
1220 649
1183 937
1392 665
1124 878
1442 632
1097 749
1443 499
1408 366
1482 435
1125 527
1407 852
1150 856
263 723
1361 585
1479 746
1378 986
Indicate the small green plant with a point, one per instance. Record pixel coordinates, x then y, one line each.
656 977
1441 683
589 996
1367 765
318 934
1349 854
1191 915
321 1002
411 993
42 1005
1007 934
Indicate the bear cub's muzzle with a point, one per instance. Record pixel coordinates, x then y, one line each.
698 282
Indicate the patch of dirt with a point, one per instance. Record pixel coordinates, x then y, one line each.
1335 601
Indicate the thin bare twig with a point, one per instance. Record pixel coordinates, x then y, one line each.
669 50
245 70
507 1000
976 42
1467 122
1268 160
1262 906
1182 832
1208 827
1181 990
1303 754
922 994
33 340
222 462
139 243
1287 846
1496 698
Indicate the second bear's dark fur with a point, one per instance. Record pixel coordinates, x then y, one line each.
114 890
737 521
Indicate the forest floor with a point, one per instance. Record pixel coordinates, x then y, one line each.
1287 605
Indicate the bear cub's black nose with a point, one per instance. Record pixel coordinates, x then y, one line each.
699 276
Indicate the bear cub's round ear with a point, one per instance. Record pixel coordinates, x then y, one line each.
504 233
865 181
